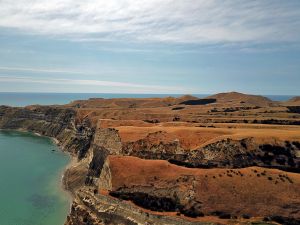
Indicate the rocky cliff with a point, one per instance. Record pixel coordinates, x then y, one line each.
51 121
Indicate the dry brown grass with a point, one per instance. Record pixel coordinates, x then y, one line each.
192 138
254 191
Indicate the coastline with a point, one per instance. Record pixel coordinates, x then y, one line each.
62 181
72 163
62 186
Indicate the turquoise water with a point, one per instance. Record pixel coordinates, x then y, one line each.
23 99
30 180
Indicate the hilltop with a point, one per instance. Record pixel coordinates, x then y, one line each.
227 99
131 102
236 98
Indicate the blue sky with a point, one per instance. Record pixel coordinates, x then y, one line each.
150 46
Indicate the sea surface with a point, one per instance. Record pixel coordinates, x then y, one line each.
23 99
30 180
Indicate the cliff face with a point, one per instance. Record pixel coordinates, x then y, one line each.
242 153
246 152
100 209
56 122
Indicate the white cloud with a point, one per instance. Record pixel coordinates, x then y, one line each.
121 86
43 70
175 21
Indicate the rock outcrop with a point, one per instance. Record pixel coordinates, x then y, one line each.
230 153
89 207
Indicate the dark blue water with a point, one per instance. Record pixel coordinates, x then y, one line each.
23 99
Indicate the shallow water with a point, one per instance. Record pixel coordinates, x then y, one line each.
30 180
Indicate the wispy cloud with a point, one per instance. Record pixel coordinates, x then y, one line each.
43 70
174 21
128 87
63 71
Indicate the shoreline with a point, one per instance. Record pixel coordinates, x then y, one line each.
62 181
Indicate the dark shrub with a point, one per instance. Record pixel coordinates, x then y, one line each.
285 220
297 144
245 216
293 109
225 216
192 212
281 160
288 144
243 143
221 215
152 121
176 118
290 180
275 149
291 162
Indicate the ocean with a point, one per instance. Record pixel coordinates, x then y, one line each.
23 99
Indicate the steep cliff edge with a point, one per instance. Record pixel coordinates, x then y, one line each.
51 121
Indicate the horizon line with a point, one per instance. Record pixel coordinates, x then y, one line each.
213 93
